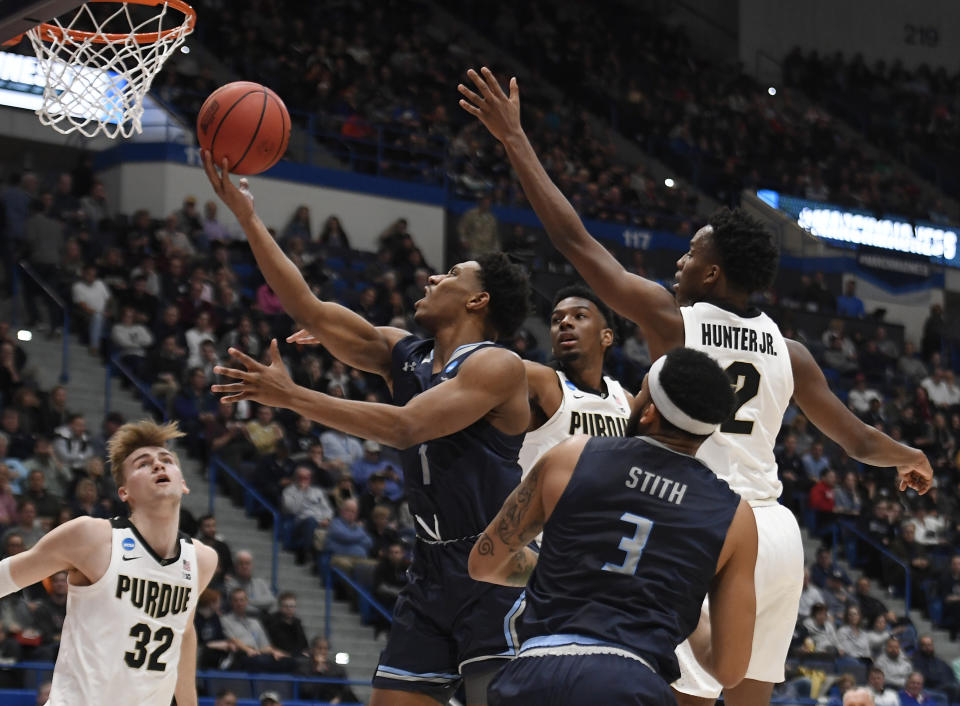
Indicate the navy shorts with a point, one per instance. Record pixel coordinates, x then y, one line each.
578 680
446 625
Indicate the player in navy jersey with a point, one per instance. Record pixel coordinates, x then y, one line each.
635 532
730 259
460 411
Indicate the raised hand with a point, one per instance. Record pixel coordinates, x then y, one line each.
240 201
498 112
303 338
917 475
267 384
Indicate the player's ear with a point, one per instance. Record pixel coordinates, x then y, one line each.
649 414
712 275
123 494
478 300
606 337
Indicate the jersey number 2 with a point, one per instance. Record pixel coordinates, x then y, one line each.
135 659
745 379
633 546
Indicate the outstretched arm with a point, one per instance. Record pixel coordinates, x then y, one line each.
724 649
82 544
490 384
348 336
640 300
861 441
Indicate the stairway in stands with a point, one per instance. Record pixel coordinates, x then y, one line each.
945 649
86 394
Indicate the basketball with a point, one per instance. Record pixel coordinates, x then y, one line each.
245 123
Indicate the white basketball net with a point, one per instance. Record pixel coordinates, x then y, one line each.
96 84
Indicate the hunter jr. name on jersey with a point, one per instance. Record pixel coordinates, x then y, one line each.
152 597
738 338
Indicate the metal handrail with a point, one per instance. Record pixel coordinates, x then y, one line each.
142 388
50 292
362 592
846 525
217 463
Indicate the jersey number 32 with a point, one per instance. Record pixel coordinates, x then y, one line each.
136 658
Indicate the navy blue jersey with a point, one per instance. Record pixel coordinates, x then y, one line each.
630 550
455 484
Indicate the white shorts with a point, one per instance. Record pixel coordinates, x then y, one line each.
779 582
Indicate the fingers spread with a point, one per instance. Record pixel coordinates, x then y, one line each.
493 83
230 387
233 373
244 358
479 82
470 108
469 95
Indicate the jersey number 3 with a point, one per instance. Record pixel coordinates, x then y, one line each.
633 546
745 379
136 658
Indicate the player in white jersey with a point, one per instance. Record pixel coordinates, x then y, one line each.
128 635
729 259
576 397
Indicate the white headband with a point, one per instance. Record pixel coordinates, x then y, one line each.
669 410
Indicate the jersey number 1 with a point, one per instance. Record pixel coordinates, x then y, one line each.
136 658
745 379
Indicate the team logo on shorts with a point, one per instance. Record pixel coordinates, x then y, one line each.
128 544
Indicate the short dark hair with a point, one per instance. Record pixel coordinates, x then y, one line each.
697 385
582 291
746 249
509 290
286 595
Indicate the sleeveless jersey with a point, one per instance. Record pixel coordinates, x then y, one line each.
121 637
646 525
456 484
580 412
753 352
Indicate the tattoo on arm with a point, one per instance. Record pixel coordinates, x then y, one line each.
509 529
485 545
521 566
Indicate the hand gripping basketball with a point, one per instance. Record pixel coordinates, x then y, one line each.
239 201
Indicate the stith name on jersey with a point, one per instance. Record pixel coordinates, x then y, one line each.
656 485
738 338
154 598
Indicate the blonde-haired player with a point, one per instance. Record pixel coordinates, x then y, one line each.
128 636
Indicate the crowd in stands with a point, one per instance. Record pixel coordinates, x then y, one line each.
370 72
708 119
178 289
911 113
384 73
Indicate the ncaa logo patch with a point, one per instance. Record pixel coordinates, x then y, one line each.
128 544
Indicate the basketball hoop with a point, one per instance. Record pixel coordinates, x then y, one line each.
99 65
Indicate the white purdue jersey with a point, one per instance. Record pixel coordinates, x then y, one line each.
753 352
121 637
580 412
